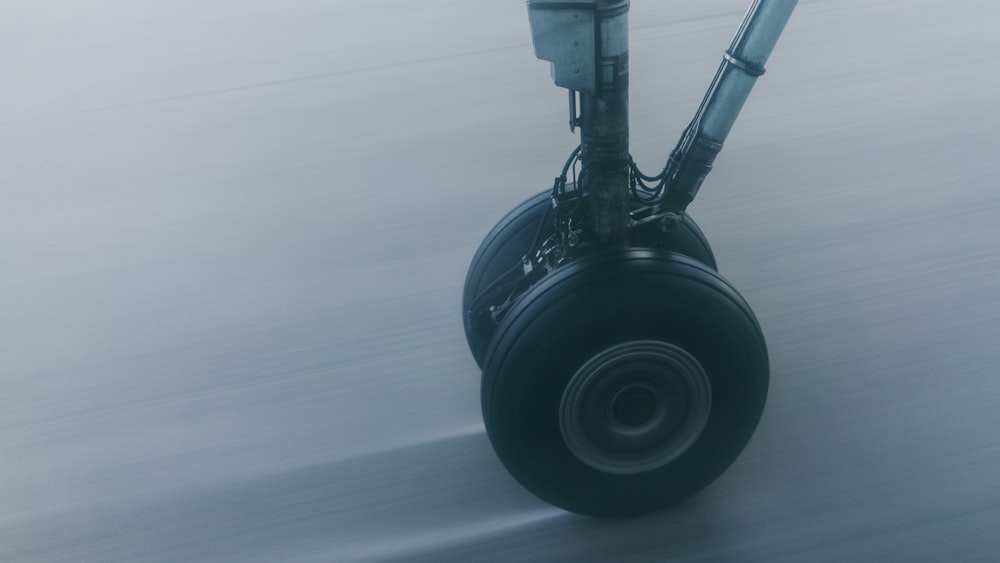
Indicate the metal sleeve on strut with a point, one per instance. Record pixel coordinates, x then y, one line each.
745 66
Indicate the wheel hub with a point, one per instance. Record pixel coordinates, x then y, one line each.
635 407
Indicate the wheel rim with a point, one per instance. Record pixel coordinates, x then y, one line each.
635 407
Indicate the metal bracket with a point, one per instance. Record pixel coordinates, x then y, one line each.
564 34
574 114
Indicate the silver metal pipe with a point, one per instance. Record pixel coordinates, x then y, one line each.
742 63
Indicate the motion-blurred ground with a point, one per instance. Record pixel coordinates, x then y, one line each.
233 237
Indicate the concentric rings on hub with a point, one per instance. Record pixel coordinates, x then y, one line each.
635 407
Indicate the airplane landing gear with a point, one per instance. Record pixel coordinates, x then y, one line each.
620 372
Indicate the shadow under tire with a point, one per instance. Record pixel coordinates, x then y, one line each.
531 222
624 382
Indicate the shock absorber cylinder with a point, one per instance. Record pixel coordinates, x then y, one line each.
587 44
604 127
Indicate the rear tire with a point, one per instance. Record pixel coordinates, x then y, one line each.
531 222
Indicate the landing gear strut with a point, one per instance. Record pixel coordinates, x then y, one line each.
620 372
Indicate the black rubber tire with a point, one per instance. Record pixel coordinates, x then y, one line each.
512 237
591 306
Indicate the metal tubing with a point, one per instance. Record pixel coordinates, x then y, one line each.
692 159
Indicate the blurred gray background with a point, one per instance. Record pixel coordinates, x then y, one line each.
233 236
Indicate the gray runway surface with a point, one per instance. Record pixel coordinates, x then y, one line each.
233 236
